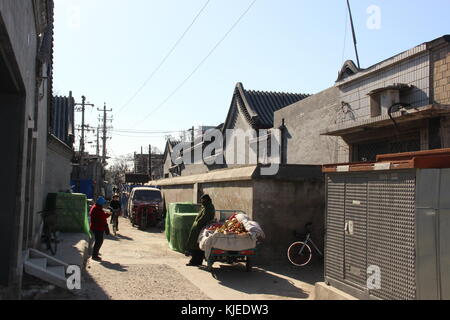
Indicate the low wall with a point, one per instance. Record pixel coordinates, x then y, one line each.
282 207
233 195
280 204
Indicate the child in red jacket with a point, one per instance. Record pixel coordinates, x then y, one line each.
99 224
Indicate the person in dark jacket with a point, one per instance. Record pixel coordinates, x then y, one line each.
205 217
99 224
116 208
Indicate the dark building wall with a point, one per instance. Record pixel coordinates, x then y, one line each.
25 120
11 113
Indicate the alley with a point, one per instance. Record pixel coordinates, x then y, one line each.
139 265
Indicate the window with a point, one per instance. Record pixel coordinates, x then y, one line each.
147 195
381 100
368 151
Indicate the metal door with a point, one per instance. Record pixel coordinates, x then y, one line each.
334 240
391 234
355 239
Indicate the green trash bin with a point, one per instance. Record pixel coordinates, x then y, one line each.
71 212
179 220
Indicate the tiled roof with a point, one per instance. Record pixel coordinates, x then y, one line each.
258 107
264 104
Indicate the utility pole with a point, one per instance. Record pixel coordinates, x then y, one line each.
354 33
98 141
150 162
83 105
105 131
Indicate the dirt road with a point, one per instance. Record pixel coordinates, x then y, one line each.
139 265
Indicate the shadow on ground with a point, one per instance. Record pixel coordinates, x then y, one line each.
114 266
36 289
310 274
153 230
119 237
258 281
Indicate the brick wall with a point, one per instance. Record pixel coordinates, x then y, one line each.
441 75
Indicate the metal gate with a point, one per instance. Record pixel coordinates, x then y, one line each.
371 223
391 234
334 243
355 244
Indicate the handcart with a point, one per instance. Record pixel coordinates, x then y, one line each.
246 255
232 257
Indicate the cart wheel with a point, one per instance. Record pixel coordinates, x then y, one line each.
248 265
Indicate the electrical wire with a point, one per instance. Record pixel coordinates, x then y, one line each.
198 66
145 131
137 137
165 58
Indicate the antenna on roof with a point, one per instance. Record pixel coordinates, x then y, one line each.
354 34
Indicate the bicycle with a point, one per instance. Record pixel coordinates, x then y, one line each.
115 220
49 234
300 253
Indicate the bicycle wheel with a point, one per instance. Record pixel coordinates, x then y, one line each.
52 243
299 254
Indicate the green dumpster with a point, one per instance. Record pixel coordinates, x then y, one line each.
179 220
71 212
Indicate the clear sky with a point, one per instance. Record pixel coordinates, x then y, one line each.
107 49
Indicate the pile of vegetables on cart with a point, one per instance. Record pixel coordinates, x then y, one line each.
231 226
236 233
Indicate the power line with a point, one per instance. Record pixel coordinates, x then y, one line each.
138 137
199 65
165 58
145 131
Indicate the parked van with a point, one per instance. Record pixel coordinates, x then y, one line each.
144 195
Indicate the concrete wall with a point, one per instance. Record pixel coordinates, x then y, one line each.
279 206
230 195
284 207
195 168
180 193
302 142
27 122
59 168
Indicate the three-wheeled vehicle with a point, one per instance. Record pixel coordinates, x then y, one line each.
145 207
231 257
145 216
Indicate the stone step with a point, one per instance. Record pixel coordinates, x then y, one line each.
39 262
58 271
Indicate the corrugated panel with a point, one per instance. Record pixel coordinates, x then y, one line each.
356 243
334 242
391 234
